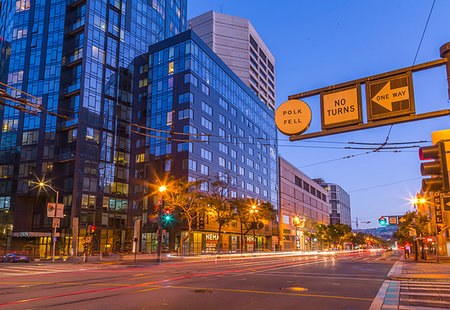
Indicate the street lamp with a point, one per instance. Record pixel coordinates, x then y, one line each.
162 190
42 184
254 211
297 222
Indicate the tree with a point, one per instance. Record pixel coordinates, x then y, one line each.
247 219
217 201
185 199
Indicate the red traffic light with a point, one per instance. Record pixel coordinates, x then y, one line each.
92 228
168 212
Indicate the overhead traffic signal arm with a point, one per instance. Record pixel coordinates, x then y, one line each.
437 169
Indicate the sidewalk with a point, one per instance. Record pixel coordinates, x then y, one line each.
409 270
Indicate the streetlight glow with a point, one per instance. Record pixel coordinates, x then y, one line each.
162 188
422 200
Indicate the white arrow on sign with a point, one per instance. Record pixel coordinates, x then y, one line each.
386 96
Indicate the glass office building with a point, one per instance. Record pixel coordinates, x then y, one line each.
180 84
70 54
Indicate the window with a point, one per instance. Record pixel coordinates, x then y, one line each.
207 108
222 133
185 146
241 170
185 114
204 169
223 103
186 97
189 164
190 78
233 111
171 68
223 148
204 186
4 203
143 82
206 154
250 187
222 161
233 153
251 151
305 186
190 129
223 177
207 123
222 119
140 158
298 181
205 89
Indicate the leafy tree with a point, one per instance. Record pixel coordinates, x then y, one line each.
416 222
217 202
247 219
185 199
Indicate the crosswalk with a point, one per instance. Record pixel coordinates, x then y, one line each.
19 269
424 295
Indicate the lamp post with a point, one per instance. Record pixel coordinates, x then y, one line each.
162 190
42 184
254 211
297 224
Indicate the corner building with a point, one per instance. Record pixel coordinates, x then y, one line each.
180 82
303 199
72 54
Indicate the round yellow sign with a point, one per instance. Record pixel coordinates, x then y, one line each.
293 117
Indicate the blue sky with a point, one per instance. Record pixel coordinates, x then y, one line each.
321 43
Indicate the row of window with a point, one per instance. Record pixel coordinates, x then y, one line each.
309 188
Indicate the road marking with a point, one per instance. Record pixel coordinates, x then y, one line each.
267 292
149 289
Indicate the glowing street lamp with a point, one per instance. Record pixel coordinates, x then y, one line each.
43 185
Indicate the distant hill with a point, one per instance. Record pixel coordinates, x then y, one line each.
382 232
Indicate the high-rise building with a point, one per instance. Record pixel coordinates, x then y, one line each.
71 55
237 43
181 86
303 204
339 203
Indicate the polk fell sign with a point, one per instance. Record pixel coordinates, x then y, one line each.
341 107
293 117
390 97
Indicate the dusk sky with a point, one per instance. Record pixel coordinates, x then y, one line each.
321 43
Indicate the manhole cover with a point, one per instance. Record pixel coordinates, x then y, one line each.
294 288
204 291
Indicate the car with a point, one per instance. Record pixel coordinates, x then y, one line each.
13 258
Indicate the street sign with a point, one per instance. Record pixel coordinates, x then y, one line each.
446 203
59 210
390 97
401 219
393 220
341 107
293 117
437 208
51 209
56 222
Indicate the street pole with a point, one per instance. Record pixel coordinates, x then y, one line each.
159 232
54 230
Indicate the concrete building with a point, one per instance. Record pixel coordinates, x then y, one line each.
339 203
183 87
303 204
71 55
237 43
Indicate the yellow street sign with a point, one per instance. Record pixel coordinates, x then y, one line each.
293 117
341 107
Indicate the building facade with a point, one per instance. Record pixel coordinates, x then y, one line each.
339 203
237 43
303 204
198 120
71 55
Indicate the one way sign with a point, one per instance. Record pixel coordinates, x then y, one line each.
446 203
390 97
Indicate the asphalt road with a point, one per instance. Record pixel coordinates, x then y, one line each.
313 282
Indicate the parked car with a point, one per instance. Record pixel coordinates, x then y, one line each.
13 258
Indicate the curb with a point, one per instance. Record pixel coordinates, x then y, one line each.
400 278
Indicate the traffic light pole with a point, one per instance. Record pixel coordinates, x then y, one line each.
54 230
159 232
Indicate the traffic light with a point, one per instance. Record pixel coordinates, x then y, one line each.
382 220
438 229
168 215
437 168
